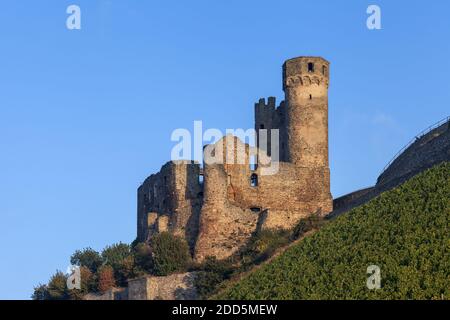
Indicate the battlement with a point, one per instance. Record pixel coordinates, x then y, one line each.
268 116
261 104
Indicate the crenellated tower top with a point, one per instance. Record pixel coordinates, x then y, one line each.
305 71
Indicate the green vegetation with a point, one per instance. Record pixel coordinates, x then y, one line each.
313 222
210 275
120 257
116 264
88 257
262 246
213 274
170 254
406 232
106 278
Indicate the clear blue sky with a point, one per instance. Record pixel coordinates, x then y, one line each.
86 116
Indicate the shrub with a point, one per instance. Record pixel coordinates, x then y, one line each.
170 254
211 274
263 245
312 222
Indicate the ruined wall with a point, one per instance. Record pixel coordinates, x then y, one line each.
170 200
234 207
224 228
172 287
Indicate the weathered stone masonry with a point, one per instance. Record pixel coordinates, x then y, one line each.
219 214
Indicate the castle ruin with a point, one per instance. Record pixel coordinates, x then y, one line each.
217 207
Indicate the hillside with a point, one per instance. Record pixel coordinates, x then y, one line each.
405 231
428 148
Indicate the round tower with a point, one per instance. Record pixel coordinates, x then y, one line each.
305 84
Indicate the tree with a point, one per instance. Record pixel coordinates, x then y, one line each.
40 292
120 258
143 258
88 280
115 254
88 258
57 286
106 279
88 284
170 254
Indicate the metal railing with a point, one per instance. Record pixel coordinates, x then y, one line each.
417 137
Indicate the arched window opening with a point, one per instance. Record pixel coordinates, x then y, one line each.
324 70
310 97
254 180
310 67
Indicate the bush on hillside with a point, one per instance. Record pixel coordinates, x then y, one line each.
262 246
211 274
170 254
313 222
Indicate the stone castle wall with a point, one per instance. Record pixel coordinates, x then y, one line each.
170 201
172 287
111 294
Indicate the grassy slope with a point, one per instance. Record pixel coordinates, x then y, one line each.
405 231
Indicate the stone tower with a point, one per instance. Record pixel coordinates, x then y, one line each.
305 84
